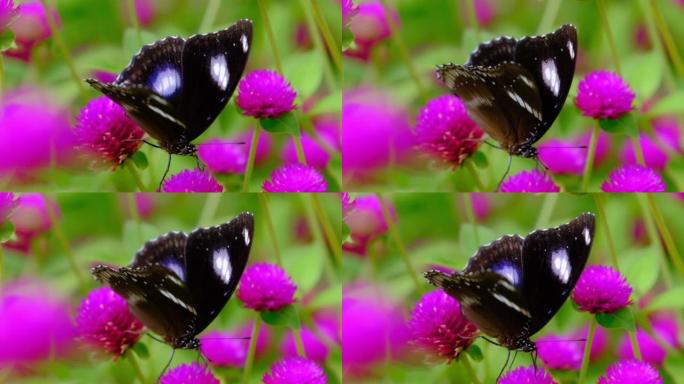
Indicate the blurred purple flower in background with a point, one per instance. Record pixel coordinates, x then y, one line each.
348 10
30 28
34 325
375 133
669 132
266 287
144 9
370 26
527 375
666 329
315 349
314 152
367 222
601 289
482 206
348 205
104 321
263 148
654 155
105 132
223 156
8 11
631 372
563 156
265 94
189 373
603 146
229 349
529 182
604 95
557 352
633 178
445 131
295 178
438 327
8 202
192 180
599 344
31 218
484 12
295 370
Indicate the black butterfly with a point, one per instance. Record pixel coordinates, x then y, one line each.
175 88
178 283
515 89
512 287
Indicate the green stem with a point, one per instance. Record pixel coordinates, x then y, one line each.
133 16
299 342
635 345
269 33
472 18
134 173
328 38
550 14
250 159
59 40
587 351
636 142
609 34
136 367
211 204
653 236
668 41
318 44
603 220
299 148
404 53
469 368
470 214
666 235
263 201
209 16
473 172
2 73
61 238
328 230
548 206
589 166
394 234
654 38
247 372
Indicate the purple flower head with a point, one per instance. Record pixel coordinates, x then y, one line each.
438 327
527 375
631 372
295 178
7 13
367 222
375 133
265 94
348 11
348 205
482 206
34 325
445 131
314 153
601 289
560 353
144 10
295 370
666 329
229 349
328 322
633 178
370 25
604 95
603 146
669 132
484 12
8 203
563 157
192 181
106 133
315 349
31 218
655 156
223 156
529 181
104 321
31 28
189 373
266 287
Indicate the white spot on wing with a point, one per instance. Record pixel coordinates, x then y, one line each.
511 304
222 266
550 76
587 236
175 268
176 300
219 71
560 265
524 104
166 82
509 272
245 235
571 49
245 45
165 115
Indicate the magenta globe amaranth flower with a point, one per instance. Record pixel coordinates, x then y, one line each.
367 222
295 370
189 373
370 26
601 289
444 130
654 155
33 215
669 132
7 13
295 178
348 205
631 372
633 178
562 157
527 375
529 181
229 349
560 353
192 181
106 133
31 28
104 321
223 156
666 329
604 95
265 94
315 349
348 10
266 287
144 10
438 327
314 152
8 202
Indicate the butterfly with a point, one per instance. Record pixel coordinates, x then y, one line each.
515 89
175 88
512 287
178 283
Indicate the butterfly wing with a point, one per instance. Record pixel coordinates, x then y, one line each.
550 59
493 52
553 260
155 295
215 260
212 67
167 250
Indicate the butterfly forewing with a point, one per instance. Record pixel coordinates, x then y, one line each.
215 259
167 250
493 52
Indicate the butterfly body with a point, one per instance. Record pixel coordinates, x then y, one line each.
512 287
175 88
178 283
515 89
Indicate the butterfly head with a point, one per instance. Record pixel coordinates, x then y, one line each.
520 344
186 342
181 147
526 151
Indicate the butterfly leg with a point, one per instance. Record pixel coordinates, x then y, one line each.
508 169
200 165
166 172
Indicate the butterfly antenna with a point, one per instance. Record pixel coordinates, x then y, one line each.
155 338
508 356
492 145
151 144
166 172
508 169
491 341
168 364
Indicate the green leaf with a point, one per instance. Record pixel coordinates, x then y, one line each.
347 39
286 317
131 44
331 297
305 72
474 352
141 350
640 270
6 231
633 71
670 104
7 40
329 104
140 160
286 123
670 299
304 264
480 159
622 319
622 125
